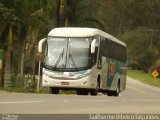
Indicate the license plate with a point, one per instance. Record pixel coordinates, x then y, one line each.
64 83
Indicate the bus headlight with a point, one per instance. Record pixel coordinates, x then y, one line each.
48 74
83 75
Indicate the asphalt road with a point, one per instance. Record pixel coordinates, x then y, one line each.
137 98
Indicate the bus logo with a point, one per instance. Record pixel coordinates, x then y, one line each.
112 69
70 65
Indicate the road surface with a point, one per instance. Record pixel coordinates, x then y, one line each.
137 98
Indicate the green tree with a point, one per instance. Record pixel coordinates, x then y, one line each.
31 20
140 53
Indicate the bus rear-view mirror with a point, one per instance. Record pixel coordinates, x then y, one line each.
40 45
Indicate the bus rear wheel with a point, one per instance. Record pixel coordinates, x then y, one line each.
116 93
54 90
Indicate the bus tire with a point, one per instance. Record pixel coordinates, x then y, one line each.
110 93
116 93
82 92
54 90
94 92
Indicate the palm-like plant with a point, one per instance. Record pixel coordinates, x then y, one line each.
31 19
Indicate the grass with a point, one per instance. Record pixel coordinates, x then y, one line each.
144 77
41 91
14 89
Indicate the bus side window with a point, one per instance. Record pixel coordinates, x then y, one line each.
99 65
94 56
45 50
101 50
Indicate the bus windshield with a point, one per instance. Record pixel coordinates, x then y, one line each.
68 53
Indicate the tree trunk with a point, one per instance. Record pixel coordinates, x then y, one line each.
7 76
22 62
57 13
62 13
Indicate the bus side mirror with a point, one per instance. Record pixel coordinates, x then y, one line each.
40 47
93 46
40 44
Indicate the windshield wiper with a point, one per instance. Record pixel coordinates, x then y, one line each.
59 59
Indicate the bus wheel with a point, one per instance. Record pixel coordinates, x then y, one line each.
82 92
55 90
94 92
109 93
116 93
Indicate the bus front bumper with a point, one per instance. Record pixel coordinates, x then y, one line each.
84 82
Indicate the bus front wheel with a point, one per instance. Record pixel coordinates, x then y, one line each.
55 90
82 92
94 92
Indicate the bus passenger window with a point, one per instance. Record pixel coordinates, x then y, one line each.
99 65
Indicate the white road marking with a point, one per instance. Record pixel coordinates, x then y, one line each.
123 100
97 100
20 102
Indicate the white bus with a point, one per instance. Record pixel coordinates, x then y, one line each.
87 60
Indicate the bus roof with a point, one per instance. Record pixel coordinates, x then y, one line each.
81 32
